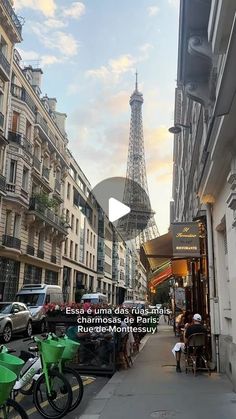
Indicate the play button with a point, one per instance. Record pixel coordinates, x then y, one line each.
117 210
123 203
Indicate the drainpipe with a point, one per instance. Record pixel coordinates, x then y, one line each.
214 314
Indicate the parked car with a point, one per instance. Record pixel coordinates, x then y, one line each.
35 296
14 318
94 298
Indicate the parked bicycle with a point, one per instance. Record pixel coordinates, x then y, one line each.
9 408
52 392
72 376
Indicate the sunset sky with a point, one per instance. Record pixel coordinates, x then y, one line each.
89 52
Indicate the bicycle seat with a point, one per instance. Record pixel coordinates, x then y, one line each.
25 355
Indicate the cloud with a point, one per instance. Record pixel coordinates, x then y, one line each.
145 51
47 7
75 11
42 60
62 41
115 68
153 10
54 23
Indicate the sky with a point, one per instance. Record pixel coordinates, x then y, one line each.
89 52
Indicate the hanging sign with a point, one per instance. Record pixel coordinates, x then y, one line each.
185 240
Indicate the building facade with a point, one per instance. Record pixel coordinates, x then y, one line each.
10 34
33 225
80 248
205 155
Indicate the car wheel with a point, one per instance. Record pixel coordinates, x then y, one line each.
7 333
43 326
29 329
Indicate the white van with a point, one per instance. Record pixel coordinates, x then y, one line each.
35 296
94 298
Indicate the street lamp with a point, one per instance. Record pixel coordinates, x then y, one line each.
177 128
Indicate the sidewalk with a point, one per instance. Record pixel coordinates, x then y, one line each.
153 389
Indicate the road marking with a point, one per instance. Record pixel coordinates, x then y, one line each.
86 381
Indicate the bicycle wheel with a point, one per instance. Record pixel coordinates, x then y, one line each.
76 382
58 402
12 410
28 389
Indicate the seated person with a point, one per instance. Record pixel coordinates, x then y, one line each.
195 327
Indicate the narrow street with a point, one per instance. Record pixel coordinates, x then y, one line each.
92 385
153 389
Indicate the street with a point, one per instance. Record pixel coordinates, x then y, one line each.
92 385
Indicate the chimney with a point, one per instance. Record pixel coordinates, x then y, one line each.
52 104
61 121
37 77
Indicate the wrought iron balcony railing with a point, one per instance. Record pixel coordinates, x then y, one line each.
22 94
47 214
37 163
11 241
2 183
5 65
43 124
30 250
40 254
21 140
12 15
46 172
1 119
57 186
53 259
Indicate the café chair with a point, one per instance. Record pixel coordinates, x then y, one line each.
196 353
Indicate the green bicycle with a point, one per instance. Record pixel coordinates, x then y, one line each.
9 409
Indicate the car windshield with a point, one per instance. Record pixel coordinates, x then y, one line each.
31 299
90 300
5 308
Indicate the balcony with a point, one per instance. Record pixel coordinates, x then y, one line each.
4 67
57 187
21 94
42 123
30 250
11 187
20 139
53 259
2 183
14 18
36 163
40 254
1 120
46 172
47 215
10 241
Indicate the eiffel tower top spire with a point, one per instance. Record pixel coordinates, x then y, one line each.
136 81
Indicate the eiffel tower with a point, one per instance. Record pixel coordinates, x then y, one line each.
140 221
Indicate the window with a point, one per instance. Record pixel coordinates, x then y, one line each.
3 46
90 260
16 226
76 251
71 249
91 239
87 236
25 179
72 222
77 226
93 262
1 101
68 216
12 171
15 121
86 258
68 190
66 247
8 223
94 240
28 130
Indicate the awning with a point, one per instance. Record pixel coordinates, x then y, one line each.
168 270
157 251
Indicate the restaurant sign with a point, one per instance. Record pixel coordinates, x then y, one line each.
185 240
